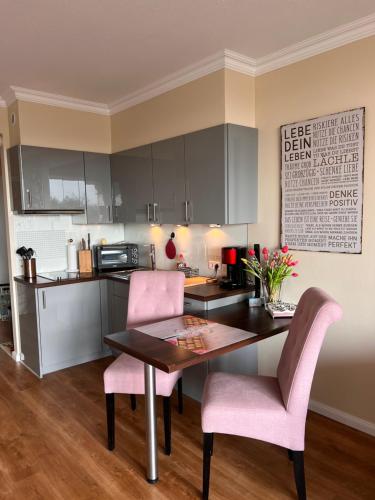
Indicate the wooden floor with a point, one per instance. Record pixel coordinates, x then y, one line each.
5 332
53 436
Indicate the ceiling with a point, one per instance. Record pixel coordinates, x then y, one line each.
102 50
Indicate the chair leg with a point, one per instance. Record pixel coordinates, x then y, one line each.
212 445
290 455
133 402
167 424
180 396
299 474
207 451
110 403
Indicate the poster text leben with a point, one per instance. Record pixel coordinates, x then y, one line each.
322 183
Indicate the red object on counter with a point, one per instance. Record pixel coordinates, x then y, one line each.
229 255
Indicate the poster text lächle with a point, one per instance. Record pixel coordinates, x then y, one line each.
322 183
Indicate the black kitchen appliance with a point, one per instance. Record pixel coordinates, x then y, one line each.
116 256
236 276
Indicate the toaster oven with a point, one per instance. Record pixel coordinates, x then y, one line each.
117 256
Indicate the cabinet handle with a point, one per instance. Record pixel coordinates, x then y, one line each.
155 218
29 197
149 219
115 215
44 301
186 211
109 213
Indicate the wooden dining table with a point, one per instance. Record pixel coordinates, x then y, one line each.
215 332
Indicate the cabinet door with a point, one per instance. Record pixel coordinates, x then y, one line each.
98 188
132 187
33 175
53 179
70 324
169 180
28 325
242 192
205 156
117 305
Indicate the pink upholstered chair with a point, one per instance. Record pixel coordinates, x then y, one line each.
272 409
153 296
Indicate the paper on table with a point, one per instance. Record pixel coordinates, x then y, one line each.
213 335
163 329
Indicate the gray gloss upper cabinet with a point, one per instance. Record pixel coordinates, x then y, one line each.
169 181
221 175
46 179
98 190
132 187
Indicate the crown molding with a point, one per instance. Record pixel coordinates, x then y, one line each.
329 40
239 62
224 59
7 96
36 96
188 74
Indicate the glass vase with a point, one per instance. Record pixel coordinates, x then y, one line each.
271 292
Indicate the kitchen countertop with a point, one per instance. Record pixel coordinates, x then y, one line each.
206 292
203 292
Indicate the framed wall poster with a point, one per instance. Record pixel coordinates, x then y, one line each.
322 183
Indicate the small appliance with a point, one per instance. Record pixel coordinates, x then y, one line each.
236 276
116 256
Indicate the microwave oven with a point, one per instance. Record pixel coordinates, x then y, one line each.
117 256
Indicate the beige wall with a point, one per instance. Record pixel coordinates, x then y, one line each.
55 127
239 98
198 104
4 129
335 81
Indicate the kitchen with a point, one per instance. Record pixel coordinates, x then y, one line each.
117 192
174 168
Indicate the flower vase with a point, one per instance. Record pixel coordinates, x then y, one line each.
271 292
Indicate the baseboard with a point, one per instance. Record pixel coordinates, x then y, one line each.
344 418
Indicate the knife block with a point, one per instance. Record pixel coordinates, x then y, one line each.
85 261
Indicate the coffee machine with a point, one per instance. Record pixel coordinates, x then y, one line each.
236 276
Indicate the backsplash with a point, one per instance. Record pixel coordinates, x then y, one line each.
198 243
48 236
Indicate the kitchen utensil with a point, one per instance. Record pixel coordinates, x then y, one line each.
83 244
170 248
21 251
29 268
88 242
29 253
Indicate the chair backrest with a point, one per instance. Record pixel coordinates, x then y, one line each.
154 296
316 311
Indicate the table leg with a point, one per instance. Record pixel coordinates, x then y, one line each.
151 426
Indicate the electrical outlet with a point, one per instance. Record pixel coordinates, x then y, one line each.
213 263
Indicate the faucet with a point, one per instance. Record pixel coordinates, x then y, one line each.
153 256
